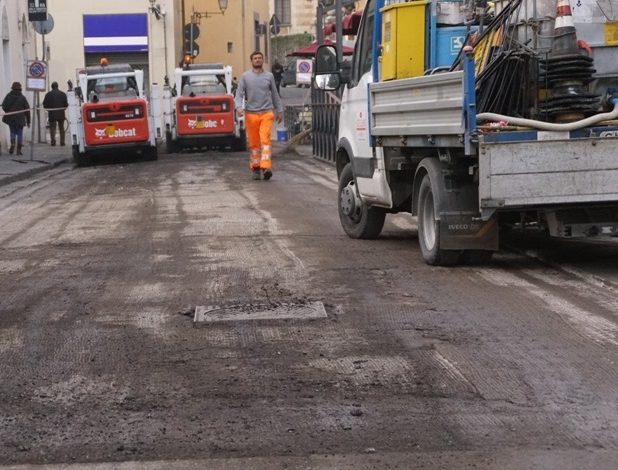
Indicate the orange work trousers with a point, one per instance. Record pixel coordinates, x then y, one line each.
259 129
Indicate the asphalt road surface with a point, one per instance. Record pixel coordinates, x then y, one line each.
325 352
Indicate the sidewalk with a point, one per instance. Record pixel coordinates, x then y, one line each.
35 159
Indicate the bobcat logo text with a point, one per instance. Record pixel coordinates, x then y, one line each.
202 124
112 133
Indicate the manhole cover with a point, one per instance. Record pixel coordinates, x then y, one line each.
242 312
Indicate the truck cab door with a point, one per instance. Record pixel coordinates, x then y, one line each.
354 122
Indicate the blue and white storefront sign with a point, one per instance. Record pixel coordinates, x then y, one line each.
116 33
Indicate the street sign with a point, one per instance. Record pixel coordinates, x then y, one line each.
35 75
275 25
37 10
44 27
304 68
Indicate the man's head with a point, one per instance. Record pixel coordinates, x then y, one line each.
257 60
54 85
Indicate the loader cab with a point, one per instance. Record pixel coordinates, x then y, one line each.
194 85
112 88
111 82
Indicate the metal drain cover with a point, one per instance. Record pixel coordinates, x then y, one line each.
243 312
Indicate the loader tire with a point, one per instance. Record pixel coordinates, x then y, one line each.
150 153
170 145
239 144
80 159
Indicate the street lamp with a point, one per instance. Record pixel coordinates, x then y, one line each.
160 14
196 16
192 31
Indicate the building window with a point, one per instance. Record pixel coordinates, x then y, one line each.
283 11
230 47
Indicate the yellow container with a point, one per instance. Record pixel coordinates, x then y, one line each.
403 40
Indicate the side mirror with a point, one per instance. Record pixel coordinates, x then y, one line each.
328 74
328 81
326 60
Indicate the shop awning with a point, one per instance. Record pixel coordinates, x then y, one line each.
349 23
309 51
116 33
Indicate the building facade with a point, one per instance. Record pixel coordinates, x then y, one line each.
230 38
144 33
299 16
18 45
151 34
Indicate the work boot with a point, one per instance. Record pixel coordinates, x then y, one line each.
12 147
256 174
267 174
19 149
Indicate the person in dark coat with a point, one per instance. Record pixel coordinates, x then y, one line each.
56 99
277 71
16 104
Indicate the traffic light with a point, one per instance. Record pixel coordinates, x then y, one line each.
191 48
191 33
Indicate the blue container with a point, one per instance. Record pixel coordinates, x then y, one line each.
450 39
282 135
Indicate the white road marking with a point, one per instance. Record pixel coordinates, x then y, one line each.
593 326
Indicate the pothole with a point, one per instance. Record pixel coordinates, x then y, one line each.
271 311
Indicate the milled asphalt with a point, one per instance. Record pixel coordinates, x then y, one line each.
42 156
36 158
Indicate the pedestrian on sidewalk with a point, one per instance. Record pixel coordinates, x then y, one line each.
257 98
56 102
17 104
277 70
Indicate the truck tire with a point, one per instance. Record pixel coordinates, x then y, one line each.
357 218
429 229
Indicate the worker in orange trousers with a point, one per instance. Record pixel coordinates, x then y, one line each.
258 100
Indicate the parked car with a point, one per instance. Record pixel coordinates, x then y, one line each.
289 73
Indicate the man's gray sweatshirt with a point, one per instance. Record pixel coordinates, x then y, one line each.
259 91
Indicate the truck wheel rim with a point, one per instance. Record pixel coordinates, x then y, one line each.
429 225
350 204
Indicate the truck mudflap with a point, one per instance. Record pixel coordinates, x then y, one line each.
204 115
115 122
456 208
461 231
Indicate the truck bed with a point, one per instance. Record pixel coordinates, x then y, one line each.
517 169
416 108
554 169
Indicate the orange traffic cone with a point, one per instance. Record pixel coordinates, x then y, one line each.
565 35
567 72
